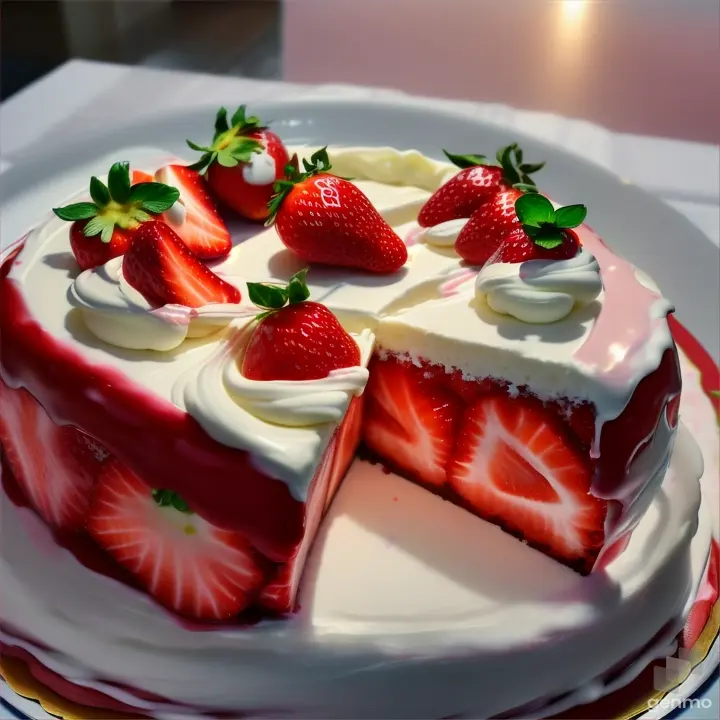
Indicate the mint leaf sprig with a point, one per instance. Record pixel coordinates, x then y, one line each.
230 145
510 158
270 297
119 204
543 223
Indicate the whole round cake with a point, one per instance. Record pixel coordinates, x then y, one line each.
409 449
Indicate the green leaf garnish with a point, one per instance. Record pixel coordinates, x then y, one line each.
546 226
154 197
534 210
119 182
168 498
99 192
230 144
270 296
297 289
77 211
570 216
549 239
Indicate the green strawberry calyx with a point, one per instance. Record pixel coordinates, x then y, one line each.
230 145
119 204
543 223
318 164
510 159
271 297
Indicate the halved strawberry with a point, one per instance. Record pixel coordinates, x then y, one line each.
198 223
477 183
515 467
162 269
409 422
53 464
184 562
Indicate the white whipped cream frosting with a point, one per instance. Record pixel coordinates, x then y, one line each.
260 170
444 234
119 315
540 291
284 425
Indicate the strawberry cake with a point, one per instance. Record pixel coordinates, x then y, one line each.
409 449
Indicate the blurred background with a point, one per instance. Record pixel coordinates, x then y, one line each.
638 66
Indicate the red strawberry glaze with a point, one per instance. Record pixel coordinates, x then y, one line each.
219 482
632 317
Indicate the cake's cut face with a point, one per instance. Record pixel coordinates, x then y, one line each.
538 395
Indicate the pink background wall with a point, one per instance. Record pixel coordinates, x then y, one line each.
641 66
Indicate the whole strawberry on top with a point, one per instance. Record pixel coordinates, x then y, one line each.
164 271
328 220
295 339
521 227
242 163
104 228
477 183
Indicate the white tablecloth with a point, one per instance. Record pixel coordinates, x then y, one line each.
81 95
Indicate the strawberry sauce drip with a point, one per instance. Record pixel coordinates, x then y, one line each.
627 324
162 444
